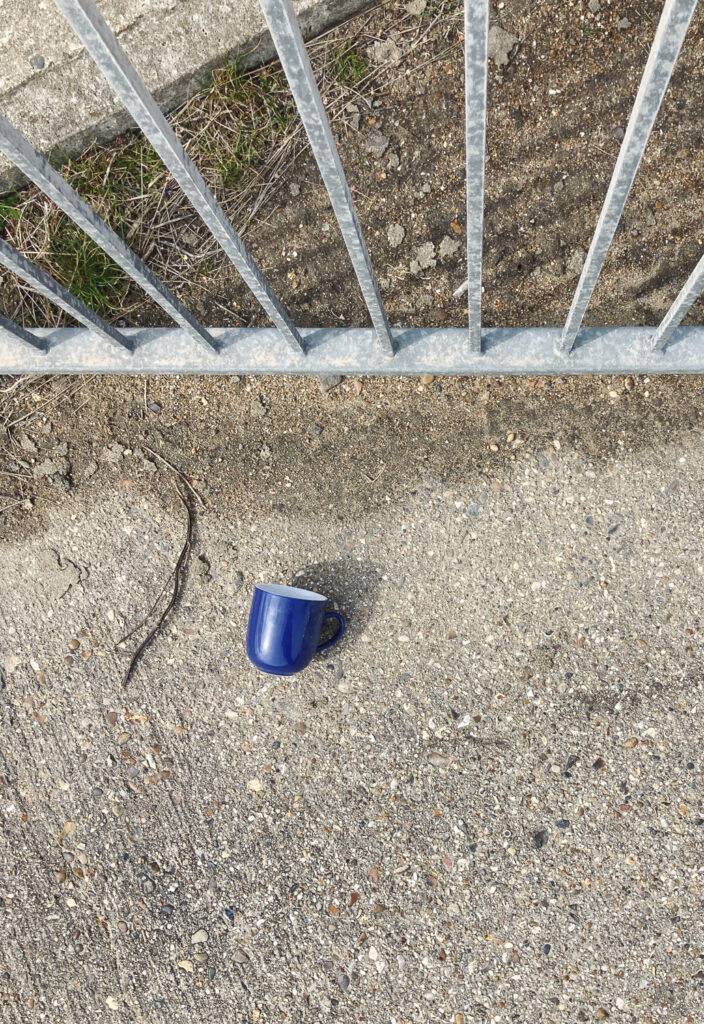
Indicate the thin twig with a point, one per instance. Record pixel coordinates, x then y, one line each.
177 577
178 473
14 504
71 390
146 618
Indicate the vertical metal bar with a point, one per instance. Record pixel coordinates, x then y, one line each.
285 32
671 30
56 293
20 334
33 164
99 40
476 57
693 287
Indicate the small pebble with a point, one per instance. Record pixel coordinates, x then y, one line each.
200 936
448 247
376 144
540 838
395 234
426 256
329 381
257 409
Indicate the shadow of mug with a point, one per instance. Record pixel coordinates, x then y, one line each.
350 586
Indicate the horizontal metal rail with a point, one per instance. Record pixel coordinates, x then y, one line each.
435 351
288 349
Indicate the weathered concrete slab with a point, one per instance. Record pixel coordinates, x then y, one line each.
51 90
494 782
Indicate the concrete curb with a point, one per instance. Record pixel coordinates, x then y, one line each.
52 92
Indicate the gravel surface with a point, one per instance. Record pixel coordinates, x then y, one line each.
484 805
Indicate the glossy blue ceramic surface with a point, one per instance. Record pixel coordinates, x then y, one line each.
283 634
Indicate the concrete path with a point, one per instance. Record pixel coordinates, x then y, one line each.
51 90
485 805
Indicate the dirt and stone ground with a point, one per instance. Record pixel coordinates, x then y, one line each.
486 804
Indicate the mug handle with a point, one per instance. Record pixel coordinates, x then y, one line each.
338 635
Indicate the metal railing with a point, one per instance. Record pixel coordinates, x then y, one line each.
284 348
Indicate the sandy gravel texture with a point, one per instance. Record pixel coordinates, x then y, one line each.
485 805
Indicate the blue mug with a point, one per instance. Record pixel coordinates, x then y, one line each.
283 634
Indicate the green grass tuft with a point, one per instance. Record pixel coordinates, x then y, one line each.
348 65
82 267
9 210
113 181
257 109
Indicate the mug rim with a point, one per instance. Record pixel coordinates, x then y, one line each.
293 593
